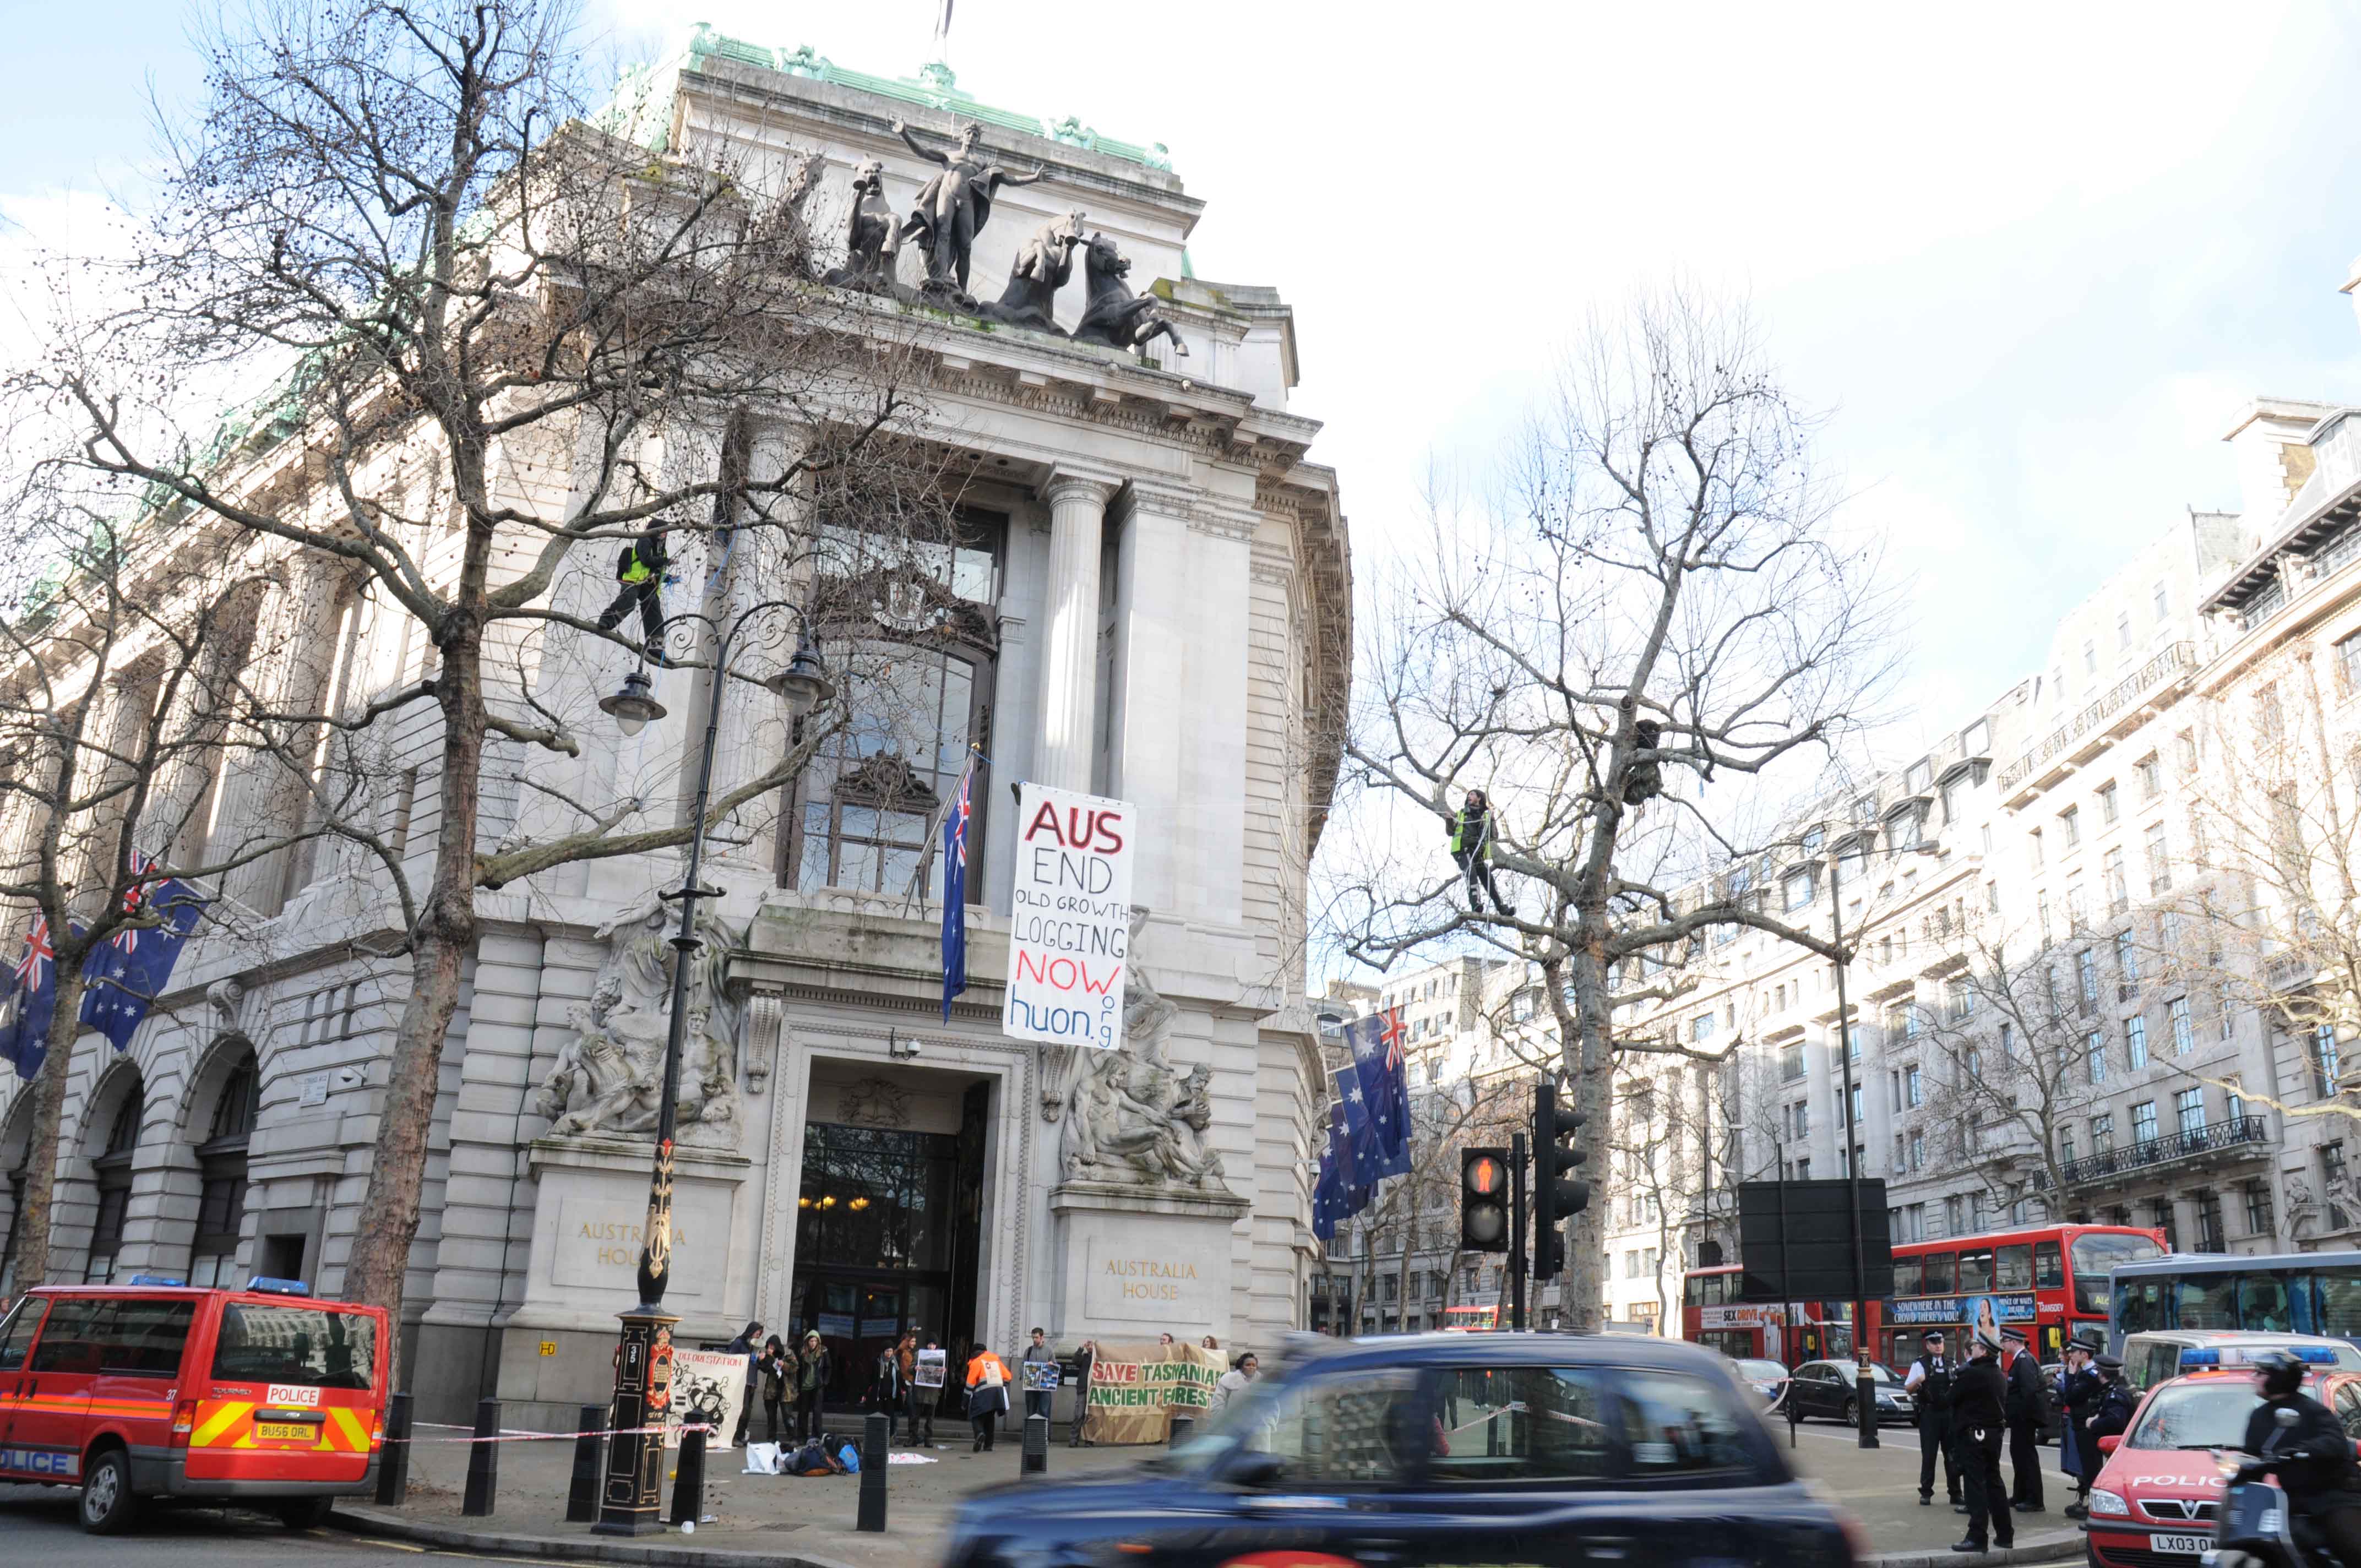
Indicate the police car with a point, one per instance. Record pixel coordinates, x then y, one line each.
1437 1449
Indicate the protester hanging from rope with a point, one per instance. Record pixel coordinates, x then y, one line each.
1471 850
640 569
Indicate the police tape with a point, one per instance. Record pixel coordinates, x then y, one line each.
519 1435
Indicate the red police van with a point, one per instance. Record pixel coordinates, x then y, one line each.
259 1395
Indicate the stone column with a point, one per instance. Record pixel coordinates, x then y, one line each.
1070 643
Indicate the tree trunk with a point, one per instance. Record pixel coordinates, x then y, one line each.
1583 1295
39 1202
445 936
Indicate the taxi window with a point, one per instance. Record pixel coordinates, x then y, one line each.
1368 1429
1519 1423
308 1345
1675 1424
17 1337
66 1343
143 1338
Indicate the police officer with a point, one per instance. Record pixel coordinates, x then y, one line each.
2025 1395
640 578
1979 1415
1931 1378
2111 1416
2079 1389
2316 1468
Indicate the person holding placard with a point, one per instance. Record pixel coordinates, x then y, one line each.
925 1391
1037 1355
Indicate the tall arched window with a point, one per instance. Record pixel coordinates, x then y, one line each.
221 1159
907 631
113 1164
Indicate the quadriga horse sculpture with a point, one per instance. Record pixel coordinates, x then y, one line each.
1115 316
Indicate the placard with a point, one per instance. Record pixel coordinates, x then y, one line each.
1041 1376
1069 918
1137 1385
708 1385
928 1373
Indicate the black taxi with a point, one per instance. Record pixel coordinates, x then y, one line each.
1443 1449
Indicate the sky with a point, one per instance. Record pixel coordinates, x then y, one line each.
2030 260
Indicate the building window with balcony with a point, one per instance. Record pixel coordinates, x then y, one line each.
2144 1122
2102 1135
2136 1042
2165 1221
2119 892
2094 1052
2086 979
2184 1036
2066 1145
2188 1110
2126 957
2259 1219
2323 1061
2107 807
2159 860
2151 777
2070 822
2237 1101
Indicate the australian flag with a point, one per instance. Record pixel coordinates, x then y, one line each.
1384 1074
955 822
32 1001
128 972
1335 1198
1366 1161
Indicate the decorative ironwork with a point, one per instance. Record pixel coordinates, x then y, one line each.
2238 1134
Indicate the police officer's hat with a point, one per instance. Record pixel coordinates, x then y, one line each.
2110 1364
2013 1336
1932 1336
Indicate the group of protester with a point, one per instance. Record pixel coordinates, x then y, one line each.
796 1381
1965 1407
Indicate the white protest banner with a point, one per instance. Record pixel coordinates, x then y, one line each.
928 1373
1070 919
707 1385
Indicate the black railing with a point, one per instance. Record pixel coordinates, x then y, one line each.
2221 1135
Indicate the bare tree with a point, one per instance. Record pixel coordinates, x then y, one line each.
2011 1062
1660 601
509 338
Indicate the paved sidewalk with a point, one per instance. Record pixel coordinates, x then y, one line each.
791 1519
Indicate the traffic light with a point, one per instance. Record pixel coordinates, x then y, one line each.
1484 1201
1558 1194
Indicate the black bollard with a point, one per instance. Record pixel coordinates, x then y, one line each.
582 1496
1181 1427
1036 1447
689 1477
393 1459
872 1516
483 1463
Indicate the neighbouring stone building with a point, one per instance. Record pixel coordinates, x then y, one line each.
2083 827
1158 585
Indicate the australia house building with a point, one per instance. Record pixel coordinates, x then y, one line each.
1151 602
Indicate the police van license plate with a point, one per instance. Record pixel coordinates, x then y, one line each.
2191 1544
299 1431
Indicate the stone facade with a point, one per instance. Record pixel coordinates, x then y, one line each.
1170 612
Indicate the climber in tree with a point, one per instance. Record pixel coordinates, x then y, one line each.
640 578
1471 849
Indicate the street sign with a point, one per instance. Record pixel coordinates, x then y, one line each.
1806 1226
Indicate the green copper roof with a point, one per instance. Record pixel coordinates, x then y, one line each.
934 87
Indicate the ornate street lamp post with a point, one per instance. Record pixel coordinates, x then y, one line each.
630 1496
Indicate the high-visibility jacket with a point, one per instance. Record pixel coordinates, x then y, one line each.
641 560
1471 832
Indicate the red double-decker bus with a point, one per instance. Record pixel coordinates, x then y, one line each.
2051 1280
1712 1315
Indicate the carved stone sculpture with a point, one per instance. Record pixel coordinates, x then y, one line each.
610 1077
2302 1208
1132 1118
872 235
952 209
1115 316
1040 269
